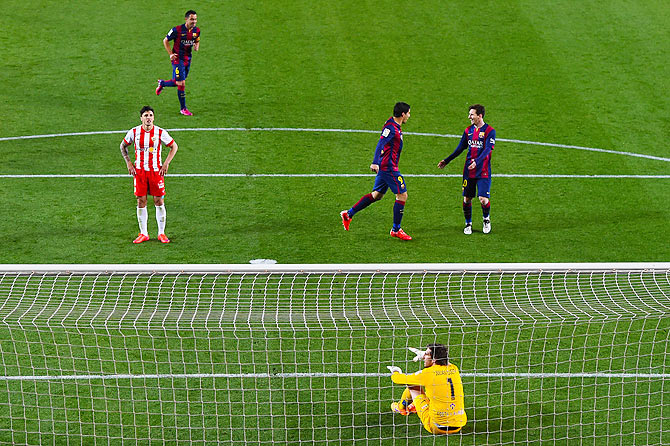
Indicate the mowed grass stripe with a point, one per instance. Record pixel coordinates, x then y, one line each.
289 129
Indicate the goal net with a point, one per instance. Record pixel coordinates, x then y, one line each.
279 355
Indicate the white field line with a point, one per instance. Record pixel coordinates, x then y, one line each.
286 129
657 376
329 175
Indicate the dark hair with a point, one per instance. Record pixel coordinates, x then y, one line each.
189 12
439 353
400 108
479 109
146 108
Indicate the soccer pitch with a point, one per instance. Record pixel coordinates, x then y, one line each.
555 74
288 100
298 358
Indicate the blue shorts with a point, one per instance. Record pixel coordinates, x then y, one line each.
180 71
483 186
390 179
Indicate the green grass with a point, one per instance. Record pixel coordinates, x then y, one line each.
130 328
321 410
587 73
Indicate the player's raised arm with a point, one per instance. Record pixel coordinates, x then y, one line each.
409 379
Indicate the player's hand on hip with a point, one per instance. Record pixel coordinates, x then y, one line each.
163 170
173 56
374 168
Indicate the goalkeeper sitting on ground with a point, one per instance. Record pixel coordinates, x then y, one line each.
440 407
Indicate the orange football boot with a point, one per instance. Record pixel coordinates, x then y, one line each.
141 238
346 220
401 409
402 235
163 238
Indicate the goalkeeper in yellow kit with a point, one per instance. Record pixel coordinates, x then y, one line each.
434 393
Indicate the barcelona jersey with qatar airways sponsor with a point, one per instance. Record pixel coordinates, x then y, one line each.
480 143
184 41
387 153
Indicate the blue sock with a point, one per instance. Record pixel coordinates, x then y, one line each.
181 94
170 83
467 212
398 210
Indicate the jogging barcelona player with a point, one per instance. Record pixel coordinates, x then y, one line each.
185 37
385 165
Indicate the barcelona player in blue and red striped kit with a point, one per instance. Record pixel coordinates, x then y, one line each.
479 138
185 37
385 165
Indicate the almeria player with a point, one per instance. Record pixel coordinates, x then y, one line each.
148 171
186 37
385 165
480 139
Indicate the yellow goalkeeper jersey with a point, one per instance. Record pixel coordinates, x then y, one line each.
444 389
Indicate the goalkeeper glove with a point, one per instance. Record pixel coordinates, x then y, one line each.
394 369
419 353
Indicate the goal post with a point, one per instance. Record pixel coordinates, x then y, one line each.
297 354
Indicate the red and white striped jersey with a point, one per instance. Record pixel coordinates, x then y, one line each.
148 146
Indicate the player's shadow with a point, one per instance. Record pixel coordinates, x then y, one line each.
505 424
397 430
484 422
487 420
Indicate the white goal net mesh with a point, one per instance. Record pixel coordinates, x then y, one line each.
299 357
